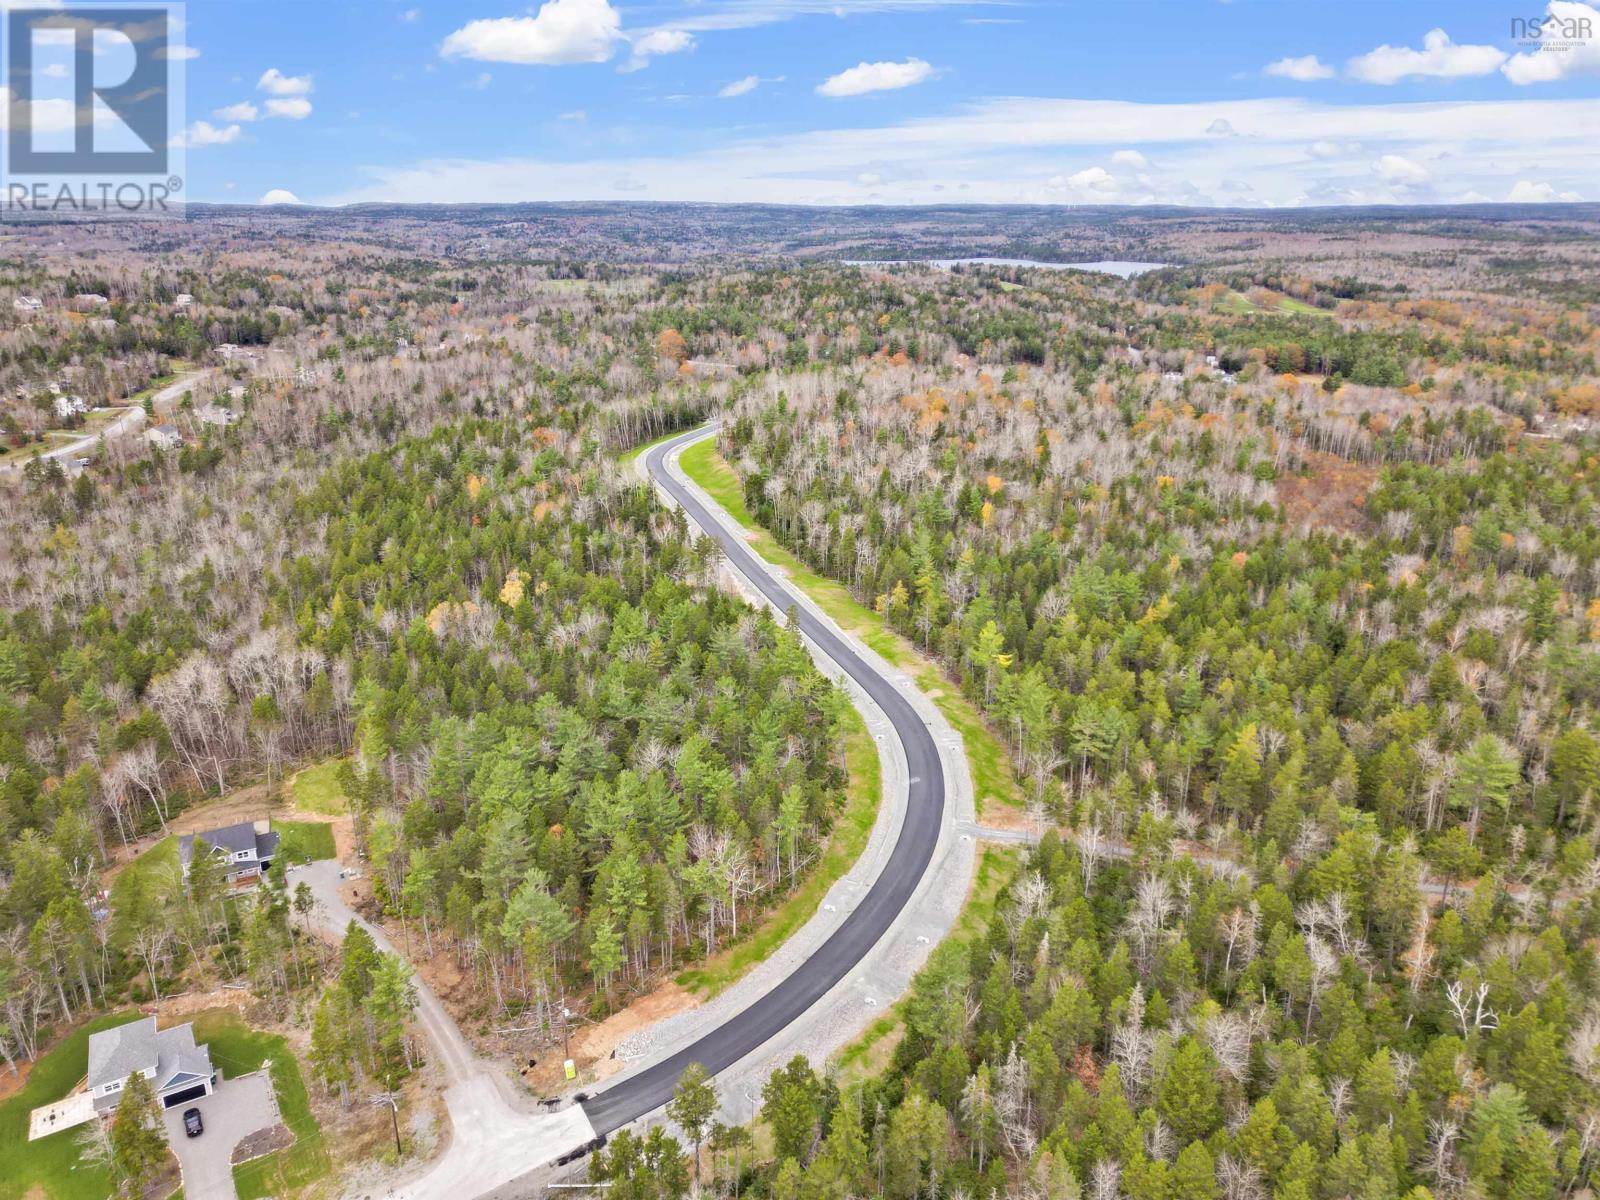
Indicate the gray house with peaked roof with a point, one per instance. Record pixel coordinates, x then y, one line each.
246 849
178 1070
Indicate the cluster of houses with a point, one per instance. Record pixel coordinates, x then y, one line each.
180 1071
86 301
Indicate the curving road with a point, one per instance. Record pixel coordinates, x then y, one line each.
632 1096
131 418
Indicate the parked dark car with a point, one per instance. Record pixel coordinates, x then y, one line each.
192 1124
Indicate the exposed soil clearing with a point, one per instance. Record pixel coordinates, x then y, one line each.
592 1045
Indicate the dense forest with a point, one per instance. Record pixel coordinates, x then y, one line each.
1277 576
1321 919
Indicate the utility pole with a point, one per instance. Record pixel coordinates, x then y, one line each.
392 1099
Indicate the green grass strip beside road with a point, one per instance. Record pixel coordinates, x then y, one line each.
993 785
627 456
869 1053
852 827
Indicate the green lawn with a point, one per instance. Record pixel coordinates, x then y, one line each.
305 839
156 867
851 829
1239 305
997 866
316 789
1300 308
237 1050
627 456
992 781
50 1167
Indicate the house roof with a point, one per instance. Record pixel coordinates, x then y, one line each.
178 1055
231 839
117 1053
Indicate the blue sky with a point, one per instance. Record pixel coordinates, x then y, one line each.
892 101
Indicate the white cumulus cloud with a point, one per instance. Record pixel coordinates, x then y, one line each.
1439 58
658 41
275 83
561 33
204 133
1397 168
1326 149
876 77
1305 69
296 108
1091 183
1525 191
279 196
243 111
1093 179
1569 45
1130 158
740 87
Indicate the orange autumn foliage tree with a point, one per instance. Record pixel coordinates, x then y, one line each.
670 345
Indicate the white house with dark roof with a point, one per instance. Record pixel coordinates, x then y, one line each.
246 849
178 1070
164 437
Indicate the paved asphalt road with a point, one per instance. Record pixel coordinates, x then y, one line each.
633 1096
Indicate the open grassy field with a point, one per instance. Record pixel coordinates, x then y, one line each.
851 829
238 1050
154 868
993 785
316 789
1237 304
50 1169
305 839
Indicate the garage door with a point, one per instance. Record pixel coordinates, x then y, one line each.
178 1098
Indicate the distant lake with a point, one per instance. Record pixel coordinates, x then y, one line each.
1124 270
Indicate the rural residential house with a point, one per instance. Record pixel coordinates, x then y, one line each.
164 437
178 1070
246 848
